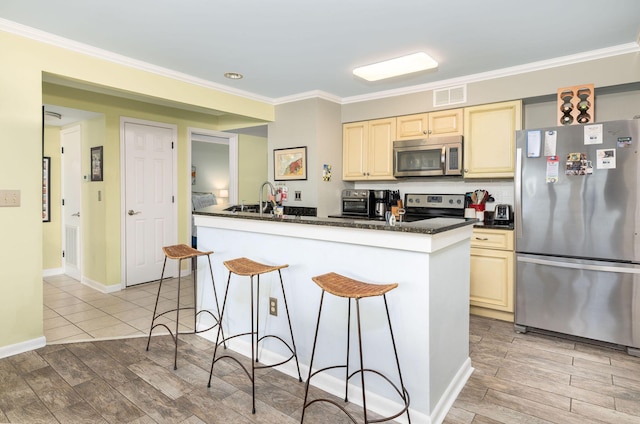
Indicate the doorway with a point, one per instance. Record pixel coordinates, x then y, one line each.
149 211
206 149
71 144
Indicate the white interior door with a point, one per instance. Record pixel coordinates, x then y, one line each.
149 208
71 164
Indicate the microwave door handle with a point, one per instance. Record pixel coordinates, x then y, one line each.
443 162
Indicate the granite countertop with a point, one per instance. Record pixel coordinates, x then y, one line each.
427 226
494 226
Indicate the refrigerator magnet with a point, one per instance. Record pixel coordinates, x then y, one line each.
533 144
606 159
553 166
593 134
577 164
624 142
550 138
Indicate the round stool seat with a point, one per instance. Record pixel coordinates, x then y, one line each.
182 251
249 268
339 285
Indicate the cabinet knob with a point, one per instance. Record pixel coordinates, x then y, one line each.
425 132
430 132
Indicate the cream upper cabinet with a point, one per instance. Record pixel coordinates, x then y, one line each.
425 125
367 150
489 139
492 273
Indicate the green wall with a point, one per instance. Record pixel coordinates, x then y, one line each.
26 63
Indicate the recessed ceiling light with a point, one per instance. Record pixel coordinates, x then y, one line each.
233 75
395 67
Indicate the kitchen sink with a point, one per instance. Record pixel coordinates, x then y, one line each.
246 208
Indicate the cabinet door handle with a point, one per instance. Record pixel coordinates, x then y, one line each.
482 238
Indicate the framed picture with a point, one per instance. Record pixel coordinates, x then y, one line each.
96 163
46 189
290 164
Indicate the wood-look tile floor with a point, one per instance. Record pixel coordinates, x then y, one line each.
537 378
518 378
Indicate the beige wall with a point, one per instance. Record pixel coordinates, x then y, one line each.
21 253
52 231
314 123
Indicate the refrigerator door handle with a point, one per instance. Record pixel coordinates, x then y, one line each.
518 192
624 268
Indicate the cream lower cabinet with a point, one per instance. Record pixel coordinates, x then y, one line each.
367 150
489 139
492 274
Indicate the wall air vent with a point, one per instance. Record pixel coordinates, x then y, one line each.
450 96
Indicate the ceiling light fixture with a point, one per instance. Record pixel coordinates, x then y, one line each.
395 67
48 113
233 75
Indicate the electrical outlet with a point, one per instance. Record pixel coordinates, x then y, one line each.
273 306
10 198
298 195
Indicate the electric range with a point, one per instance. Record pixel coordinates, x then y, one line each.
424 206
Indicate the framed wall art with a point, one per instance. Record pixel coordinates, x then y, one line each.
96 163
46 189
290 164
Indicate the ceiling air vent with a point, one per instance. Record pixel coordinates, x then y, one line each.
450 96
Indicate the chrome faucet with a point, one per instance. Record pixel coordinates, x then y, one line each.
272 191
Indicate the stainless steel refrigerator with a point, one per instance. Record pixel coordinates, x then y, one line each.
577 222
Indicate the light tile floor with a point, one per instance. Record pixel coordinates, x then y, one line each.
76 312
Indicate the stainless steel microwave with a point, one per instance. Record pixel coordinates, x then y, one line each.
428 157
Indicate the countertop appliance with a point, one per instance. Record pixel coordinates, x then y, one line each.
424 206
357 204
430 157
577 223
502 213
380 203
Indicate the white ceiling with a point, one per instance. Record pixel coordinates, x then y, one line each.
289 48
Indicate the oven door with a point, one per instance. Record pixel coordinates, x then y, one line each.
422 158
355 207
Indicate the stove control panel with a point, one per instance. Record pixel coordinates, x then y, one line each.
448 201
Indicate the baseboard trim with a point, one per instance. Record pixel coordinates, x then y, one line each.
375 402
52 271
22 347
451 393
101 287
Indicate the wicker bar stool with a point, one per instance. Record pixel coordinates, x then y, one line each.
342 286
248 268
181 252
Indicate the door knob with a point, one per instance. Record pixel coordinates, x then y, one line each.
75 214
131 212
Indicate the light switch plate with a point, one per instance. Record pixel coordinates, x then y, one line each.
9 198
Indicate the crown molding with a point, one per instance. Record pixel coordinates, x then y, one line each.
314 94
45 37
65 43
504 72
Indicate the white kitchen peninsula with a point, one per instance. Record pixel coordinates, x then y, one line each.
429 309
